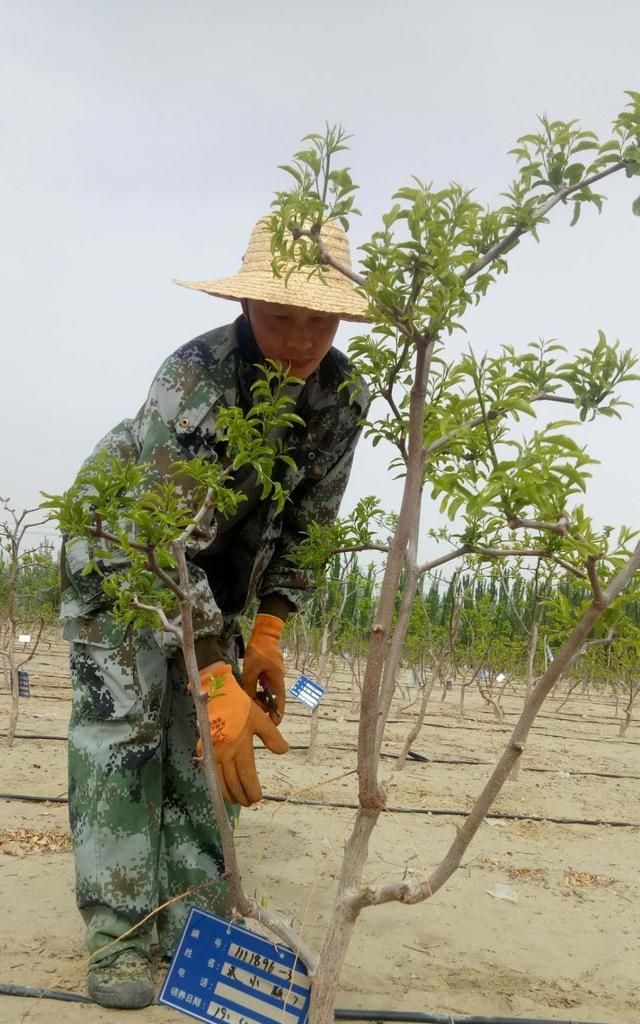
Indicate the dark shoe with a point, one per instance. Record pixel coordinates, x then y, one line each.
123 983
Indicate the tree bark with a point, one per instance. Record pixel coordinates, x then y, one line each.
414 731
322 677
11 633
628 711
415 891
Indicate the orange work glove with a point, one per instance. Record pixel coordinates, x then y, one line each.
263 656
234 719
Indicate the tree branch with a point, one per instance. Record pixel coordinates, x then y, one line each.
353 549
512 603
25 661
388 396
102 534
396 645
201 698
538 214
160 612
436 562
325 256
560 528
244 906
594 579
414 891
206 507
589 645
398 318
147 549
569 567
492 414
478 549
163 575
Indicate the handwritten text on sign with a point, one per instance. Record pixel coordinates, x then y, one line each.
222 972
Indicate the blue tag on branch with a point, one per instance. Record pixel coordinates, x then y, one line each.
222 972
24 689
307 691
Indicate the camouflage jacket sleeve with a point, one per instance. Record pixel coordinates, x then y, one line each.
178 413
82 593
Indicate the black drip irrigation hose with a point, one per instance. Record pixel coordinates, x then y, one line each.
336 704
539 734
43 993
29 798
34 736
442 812
413 756
326 717
509 728
449 813
391 1016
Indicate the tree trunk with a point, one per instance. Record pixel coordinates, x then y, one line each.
356 686
494 705
12 632
531 654
15 702
463 691
414 731
343 919
306 647
315 714
569 692
415 686
628 711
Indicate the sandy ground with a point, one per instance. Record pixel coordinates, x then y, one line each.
566 950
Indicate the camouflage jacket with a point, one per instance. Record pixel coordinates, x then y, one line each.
178 421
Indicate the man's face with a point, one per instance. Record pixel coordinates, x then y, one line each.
298 338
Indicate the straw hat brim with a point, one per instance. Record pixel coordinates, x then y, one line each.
334 294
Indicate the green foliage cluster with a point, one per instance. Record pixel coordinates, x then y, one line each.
439 250
347 591
495 608
321 192
254 438
133 519
37 585
476 460
358 530
509 492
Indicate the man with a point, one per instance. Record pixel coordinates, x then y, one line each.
142 824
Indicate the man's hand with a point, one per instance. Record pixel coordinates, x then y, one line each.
234 719
264 657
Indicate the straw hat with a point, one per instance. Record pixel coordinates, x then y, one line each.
331 293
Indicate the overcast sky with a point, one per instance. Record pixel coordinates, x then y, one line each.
140 142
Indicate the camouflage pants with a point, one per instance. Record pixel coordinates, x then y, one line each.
141 819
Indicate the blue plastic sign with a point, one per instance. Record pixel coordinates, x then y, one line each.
307 691
24 688
223 972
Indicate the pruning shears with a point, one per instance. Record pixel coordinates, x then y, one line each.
266 694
